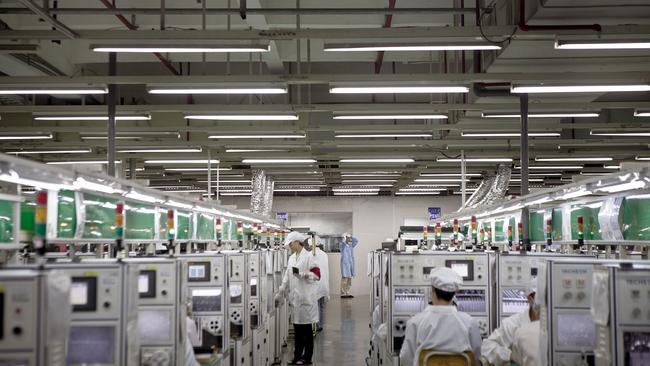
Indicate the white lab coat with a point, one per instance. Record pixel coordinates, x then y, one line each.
525 349
442 329
497 348
323 264
302 290
191 340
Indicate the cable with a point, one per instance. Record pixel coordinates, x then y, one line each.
488 10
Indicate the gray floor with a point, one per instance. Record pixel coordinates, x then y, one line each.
346 335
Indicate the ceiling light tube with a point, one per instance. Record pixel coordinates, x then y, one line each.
390 117
509 134
612 166
636 184
642 158
278 161
221 181
450 175
558 167
602 44
641 113
378 47
369 181
529 179
244 117
234 194
52 91
194 169
238 191
292 136
474 160
398 89
590 158
80 162
26 137
344 175
214 90
296 190
422 189
355 189
404 135
106 138
356 193
369 185
534 89
132 194
189 48
134 117
187 150
403 193
182 161
26 152
541 115
394 160
440 180
622 133
253 150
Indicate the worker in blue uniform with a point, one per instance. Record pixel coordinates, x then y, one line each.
346 247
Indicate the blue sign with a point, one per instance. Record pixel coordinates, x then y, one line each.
284 216
435 213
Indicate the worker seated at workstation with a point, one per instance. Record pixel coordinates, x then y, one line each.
441 328
516 341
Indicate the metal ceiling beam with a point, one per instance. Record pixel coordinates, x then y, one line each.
43 13
258 21
249 11
428 33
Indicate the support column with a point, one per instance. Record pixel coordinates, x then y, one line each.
209 175
112 100
463 170
132 168
523 102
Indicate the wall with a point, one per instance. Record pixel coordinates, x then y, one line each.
374 219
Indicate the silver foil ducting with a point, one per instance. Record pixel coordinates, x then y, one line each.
499 187
480 193
258 185
267 203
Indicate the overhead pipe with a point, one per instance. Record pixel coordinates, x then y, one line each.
237 11
527 28
483 90
388 21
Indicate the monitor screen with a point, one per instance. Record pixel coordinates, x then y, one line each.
576 331
464 267
206 299
236 294
198 271
460 268
91 345
636 347
155 326
83 294
147 284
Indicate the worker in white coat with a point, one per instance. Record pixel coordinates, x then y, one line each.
323 293
300 283
497 348
525 349
441 327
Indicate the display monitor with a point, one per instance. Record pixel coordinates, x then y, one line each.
198 271
83 294
147 284
236 294
427 270
576 331
636 348
464 268
253 286
91 345
206 299
155 326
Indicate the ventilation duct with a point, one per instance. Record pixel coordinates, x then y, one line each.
499 187
262 194
480 193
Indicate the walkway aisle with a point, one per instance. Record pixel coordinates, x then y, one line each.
346 335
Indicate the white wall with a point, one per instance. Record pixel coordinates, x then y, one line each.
374 219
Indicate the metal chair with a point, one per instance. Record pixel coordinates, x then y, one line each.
430 357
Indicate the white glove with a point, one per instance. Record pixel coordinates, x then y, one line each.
278 300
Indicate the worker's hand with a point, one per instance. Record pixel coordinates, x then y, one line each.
305 275
278 300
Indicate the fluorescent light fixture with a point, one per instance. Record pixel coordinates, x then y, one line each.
183 161
291 136
253 150
245 117
81 183
398 89
602 44
558 167
216 90
221 181
189 48
450 175
369 181
622 133
132 194
580 193
234 194
440 180
590 158
509 134
195 169
390 116
356 193
541 115
642 158
296 190
278 161
52 91
375 47
437 185
238 191
403 193
140 117
422 189
612 166
529 179
403 135
355 189
26 152
394 160
144 150
106 138
184 190
369 185
173 187
534 89
641 113
474 160
344 175
13 177
26 137
80 162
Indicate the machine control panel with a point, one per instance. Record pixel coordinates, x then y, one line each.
572 285
18 307
634 288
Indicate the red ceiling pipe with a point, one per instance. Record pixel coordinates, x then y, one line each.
527 28
388 21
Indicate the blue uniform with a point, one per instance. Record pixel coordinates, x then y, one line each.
347 257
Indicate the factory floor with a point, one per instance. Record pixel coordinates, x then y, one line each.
345 338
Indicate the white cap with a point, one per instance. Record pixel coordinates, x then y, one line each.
445 279
531 287
293 236
345 235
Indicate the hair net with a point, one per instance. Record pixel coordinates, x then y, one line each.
293 236
445 279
